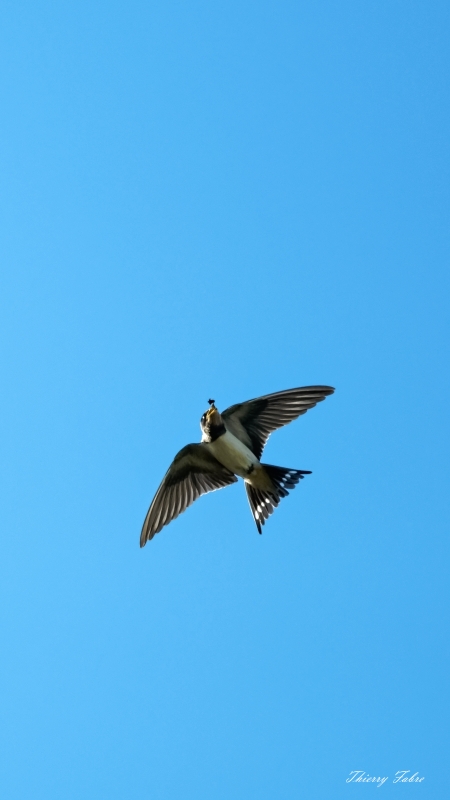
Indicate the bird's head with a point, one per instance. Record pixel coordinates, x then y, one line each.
211 419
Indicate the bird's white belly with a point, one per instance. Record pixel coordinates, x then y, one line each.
233 454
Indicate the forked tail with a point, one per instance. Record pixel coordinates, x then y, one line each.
262 502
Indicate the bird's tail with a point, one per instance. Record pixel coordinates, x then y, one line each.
263 502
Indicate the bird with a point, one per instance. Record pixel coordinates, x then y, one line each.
232 444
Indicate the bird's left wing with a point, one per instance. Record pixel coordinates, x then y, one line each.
253 421
193 472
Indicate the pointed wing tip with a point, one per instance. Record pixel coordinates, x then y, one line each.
145 537
325 390
143 540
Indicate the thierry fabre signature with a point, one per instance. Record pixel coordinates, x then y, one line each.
402 776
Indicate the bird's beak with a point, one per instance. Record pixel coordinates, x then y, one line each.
213 416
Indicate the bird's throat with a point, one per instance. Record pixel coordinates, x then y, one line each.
212 432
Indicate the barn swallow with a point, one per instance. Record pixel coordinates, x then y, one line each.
232 444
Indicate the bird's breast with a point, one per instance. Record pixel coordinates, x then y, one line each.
233 454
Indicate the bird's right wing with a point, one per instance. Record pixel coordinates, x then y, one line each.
253 421
193 472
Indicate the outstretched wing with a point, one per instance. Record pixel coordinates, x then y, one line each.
193 472
253 421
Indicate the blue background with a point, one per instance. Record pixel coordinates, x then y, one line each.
223 200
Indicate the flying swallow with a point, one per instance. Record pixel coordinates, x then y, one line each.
232 445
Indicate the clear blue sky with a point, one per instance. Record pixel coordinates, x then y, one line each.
223 200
